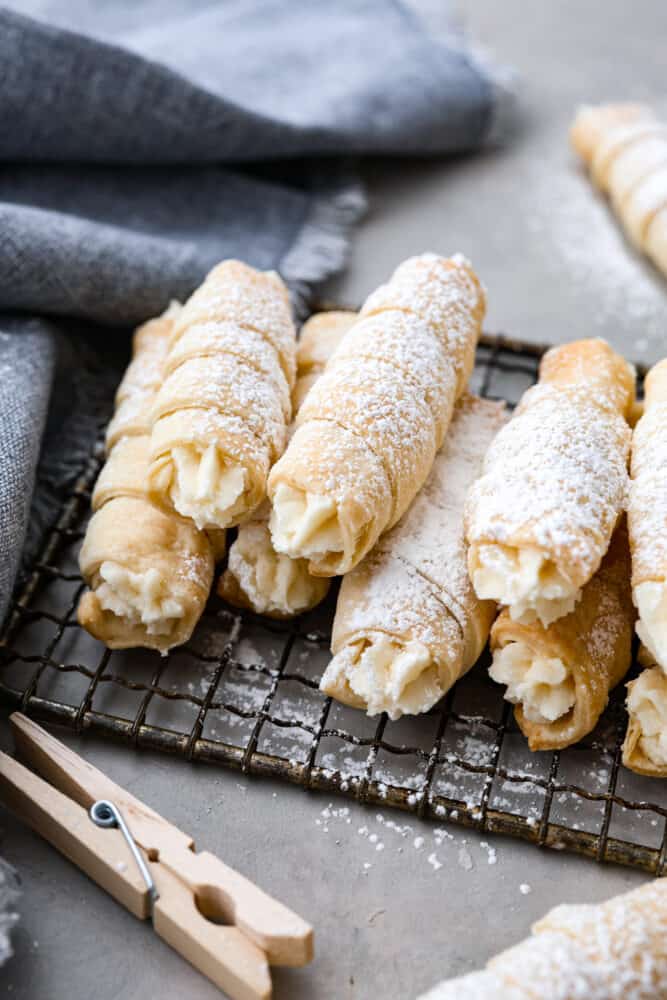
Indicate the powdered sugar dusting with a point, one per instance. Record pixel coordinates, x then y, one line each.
436 847
608 951
556 478
647 505
414 585
574 226
389 400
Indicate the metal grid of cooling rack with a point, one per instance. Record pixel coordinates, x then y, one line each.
244 692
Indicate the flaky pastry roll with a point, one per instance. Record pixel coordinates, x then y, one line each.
368 431
408 623
645 744
554 483
588 951
647 515
559 676
625 148
149 570
257 577
220 418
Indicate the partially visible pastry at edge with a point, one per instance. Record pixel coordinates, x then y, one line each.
318 339
257 577
645 744
647 515
220 418
625 148
580 951
559 677
149 570
368 431
554 484
408 623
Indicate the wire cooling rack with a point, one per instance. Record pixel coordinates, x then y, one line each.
244 692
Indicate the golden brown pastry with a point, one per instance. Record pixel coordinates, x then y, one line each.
257 577
408 623
647 515
369 430
559 676
554 484
149 571
625 148
645 744
221 415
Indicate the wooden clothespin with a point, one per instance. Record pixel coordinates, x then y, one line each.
151 867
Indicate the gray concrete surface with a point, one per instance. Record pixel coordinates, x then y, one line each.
556 267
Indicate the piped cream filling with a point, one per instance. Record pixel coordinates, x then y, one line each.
524 580
270 580
387 675
543 686
304 525
650 599
140 598
647 706
205 488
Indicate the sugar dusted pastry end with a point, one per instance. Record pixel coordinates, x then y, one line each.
220 417
554 484
368 431
408 623
559 676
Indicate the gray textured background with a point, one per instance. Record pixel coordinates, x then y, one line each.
556 268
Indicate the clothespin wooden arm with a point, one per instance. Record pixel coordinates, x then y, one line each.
225 894
197 893
83 783
101 854
224 954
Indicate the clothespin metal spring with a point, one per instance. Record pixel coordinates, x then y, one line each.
105 814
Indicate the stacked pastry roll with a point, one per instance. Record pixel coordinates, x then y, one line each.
645 747
580 952
408 623
625 148
539 523
221 415
559 676
369 429
148 569
257 576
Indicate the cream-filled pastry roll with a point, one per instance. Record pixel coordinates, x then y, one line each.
559 676
368 431
645 744
647 516
408 623
554 484
220 418
583 951
149 571
257 577
625 148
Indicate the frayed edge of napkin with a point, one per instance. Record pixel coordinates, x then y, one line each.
322 246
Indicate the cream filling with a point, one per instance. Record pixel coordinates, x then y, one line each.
388 676
140 598
205 489
651 602
647 706
271 581
524 580
542 685
304 525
